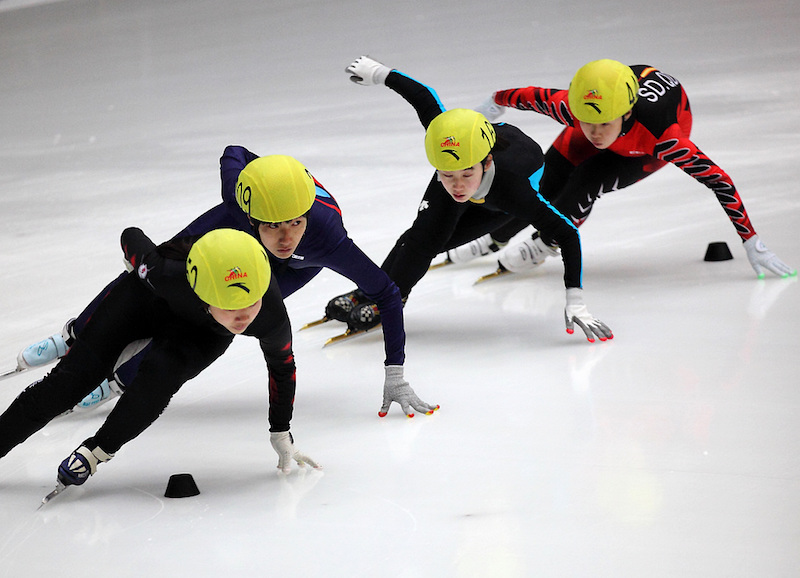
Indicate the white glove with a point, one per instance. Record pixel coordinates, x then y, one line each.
576 312
395 388
489 109
759 256
283 443
366 71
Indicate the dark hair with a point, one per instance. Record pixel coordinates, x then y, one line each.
256 223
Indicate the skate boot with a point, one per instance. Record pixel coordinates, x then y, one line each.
526 255
474 249
364 317
47 350
339 308
81 464
106 391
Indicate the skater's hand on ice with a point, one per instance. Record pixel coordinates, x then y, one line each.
762 258
576 312
364 70
395 388
283 443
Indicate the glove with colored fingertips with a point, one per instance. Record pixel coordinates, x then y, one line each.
762 258
576 313
397 389
364 70
283 444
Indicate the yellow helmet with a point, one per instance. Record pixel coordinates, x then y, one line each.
228 269
458 139
602 90
275 188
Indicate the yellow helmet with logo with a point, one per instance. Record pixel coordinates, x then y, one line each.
275 188
228 269
458 139
602 90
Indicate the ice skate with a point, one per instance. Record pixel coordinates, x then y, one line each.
468 251
524 256
363 319
80 464
104 392
339 308
47 350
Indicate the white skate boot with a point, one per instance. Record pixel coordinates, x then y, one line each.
527 255
47 350
106 391
474 249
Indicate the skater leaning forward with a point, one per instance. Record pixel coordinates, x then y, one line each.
190 297
487 176
300 224
622 124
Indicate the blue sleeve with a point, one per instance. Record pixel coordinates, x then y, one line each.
220 217
231 163
290 280
350 261
228 214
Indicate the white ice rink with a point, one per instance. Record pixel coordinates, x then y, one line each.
672 451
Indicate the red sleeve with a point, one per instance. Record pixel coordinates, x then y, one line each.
549 101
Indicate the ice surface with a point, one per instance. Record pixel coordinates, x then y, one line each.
671 451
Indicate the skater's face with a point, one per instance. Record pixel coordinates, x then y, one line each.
235 320
281 239
462 185
604 134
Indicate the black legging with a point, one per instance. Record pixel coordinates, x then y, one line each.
129 312
574 189
445 225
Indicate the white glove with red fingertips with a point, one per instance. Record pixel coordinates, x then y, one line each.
576 313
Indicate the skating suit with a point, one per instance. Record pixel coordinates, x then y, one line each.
658 132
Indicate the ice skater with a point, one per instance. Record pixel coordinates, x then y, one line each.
190 297
300 224
486 177
623 123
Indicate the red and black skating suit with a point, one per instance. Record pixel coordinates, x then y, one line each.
576 173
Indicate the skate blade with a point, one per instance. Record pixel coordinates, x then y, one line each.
59 488
12 373
314 323
495 275
349 334
444 263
